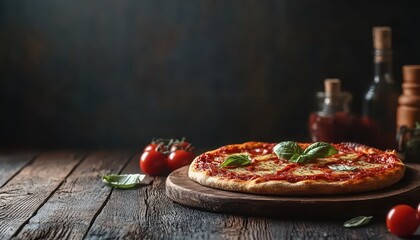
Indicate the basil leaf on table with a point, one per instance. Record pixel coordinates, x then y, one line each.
291 151
236 160
357 221
126 181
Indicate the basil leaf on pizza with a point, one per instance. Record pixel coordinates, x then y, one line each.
292 152
320 150
298 158
287 150
236 160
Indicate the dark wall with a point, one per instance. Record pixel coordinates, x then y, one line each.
112 74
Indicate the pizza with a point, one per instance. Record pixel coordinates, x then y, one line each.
290 168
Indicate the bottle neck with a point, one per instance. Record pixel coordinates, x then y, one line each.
383 66
328 105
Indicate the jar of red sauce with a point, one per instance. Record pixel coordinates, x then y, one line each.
332 120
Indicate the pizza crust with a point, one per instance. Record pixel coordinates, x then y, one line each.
304 187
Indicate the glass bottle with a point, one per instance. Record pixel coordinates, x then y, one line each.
381 99
332 120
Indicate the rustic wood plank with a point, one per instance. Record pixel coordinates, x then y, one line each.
29 189
71 209
146 213
297 229
119 217
11 164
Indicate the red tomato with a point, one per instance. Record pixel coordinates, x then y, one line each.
153 163
418 212
179 158
151 146
402 220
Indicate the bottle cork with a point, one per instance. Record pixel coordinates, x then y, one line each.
408 111
382 38
332 86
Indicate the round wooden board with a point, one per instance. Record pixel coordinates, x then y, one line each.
182 190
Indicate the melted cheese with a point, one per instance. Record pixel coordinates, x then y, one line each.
265 165
306 172
366 165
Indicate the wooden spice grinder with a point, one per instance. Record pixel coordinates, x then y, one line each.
408 111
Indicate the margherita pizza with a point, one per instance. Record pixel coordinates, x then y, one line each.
292 168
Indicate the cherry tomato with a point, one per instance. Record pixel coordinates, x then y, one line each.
151 146
418 212
153 163
179 158
402 220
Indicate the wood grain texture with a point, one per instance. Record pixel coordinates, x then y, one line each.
71 209
82 207
295 229
27 191
124 215
185 191
146 213
11 164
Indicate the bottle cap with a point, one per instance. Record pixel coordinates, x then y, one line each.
411 73
332 86
382 38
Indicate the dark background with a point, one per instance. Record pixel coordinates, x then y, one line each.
114 74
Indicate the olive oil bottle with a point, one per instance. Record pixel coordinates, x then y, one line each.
381 99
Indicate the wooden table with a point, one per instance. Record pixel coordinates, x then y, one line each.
60 195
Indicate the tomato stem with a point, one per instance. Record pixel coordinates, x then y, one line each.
164 145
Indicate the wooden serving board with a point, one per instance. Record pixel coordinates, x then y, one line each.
182 190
